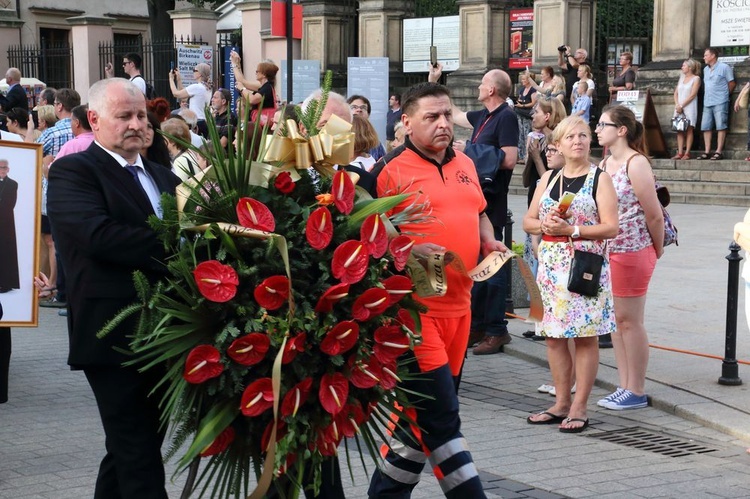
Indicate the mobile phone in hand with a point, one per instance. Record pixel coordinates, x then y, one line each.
565 202
433 56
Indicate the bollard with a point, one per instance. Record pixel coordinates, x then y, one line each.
729 367
508 236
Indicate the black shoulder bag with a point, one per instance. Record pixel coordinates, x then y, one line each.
585 269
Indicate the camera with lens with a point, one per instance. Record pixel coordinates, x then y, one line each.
562 48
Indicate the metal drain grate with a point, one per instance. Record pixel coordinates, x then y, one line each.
651 441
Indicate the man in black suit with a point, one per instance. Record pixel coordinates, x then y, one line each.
98 204
16 96
9 279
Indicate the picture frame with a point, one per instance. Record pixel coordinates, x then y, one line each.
20 224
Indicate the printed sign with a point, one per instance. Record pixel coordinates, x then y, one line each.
729 23
368 76
420 34
521 38
190 55
305 79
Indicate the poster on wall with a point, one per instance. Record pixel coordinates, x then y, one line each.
20 202
188 55
305 79
368 76
521 38
729 23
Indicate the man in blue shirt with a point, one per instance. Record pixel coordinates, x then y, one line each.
393 117
718 84
495 125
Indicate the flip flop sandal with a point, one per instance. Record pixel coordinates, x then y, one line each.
716 156
554 418
575 429
705 155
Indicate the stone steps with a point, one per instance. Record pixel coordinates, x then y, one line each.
725 182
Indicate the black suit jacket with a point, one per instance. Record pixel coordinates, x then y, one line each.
99 222
16 98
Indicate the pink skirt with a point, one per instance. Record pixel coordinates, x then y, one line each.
631 272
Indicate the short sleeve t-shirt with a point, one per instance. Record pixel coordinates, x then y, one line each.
455 200
199 98
498 128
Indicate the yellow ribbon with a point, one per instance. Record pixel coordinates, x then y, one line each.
334 145
430 278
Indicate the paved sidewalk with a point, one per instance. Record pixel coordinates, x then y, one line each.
691 443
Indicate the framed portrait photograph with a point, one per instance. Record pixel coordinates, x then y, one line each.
20 219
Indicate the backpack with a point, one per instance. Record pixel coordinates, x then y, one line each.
150 92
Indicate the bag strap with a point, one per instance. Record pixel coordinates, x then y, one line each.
627 164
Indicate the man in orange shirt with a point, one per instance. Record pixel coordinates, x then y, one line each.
445 179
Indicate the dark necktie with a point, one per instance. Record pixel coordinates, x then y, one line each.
133 170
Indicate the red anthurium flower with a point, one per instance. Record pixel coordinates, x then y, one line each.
404 318
390 342
220 443
333 392
203 363
250 349
373 235
319 228
373 302
388 377
295 397
364 373
331 296
273 292
349 263
265 439
216 281
397 286
284 183
255 215
257 398
341 338
325 443
400 247
350 419
342 189
294 345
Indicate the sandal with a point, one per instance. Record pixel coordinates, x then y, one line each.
677 156
717 155
686 156
553 418
747 159
574 429
705 155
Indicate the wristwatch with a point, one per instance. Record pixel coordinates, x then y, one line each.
576 232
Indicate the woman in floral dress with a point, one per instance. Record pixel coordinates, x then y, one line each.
590 220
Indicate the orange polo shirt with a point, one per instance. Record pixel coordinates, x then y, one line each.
455 200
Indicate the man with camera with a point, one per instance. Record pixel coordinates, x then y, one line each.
569 64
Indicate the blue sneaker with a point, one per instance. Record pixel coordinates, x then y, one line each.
610 397
627 400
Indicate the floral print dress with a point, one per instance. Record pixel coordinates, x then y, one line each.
568 314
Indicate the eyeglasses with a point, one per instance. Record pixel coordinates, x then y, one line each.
355 107
550 150
125 63
602 124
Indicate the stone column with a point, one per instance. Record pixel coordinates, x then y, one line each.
257 43
10 34
87 32
381 28
195 23
329 35
675 41
561 22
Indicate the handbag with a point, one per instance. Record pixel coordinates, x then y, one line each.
680 123
487 161
585 272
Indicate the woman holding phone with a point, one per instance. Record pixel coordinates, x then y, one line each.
590 220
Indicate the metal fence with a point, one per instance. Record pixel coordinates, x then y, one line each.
50 63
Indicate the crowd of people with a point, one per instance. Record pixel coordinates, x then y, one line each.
614 213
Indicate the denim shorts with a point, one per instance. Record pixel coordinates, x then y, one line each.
717 115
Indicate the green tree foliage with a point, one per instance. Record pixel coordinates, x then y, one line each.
436 8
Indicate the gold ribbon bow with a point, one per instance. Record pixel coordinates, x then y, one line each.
334 145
